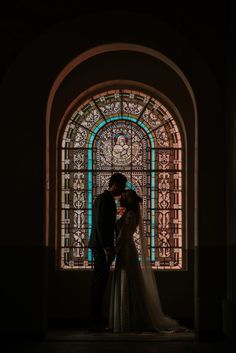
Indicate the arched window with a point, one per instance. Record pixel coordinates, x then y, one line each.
136 134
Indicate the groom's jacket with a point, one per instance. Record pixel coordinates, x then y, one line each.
103 222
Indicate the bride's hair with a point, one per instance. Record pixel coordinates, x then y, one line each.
132 200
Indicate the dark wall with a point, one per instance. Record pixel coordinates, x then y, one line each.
204 24
24 92
230 111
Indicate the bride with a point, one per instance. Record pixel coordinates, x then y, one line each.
135 304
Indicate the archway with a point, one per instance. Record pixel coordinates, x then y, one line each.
184 106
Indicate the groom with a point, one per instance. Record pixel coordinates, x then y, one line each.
102 244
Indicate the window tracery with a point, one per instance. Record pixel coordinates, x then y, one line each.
134 133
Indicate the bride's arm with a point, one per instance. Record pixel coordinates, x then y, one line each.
126 230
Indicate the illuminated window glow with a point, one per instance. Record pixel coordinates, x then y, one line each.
133 133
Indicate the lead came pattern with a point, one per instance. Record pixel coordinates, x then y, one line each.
127 131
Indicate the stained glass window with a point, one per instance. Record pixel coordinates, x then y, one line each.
133 133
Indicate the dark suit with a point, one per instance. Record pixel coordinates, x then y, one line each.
102 237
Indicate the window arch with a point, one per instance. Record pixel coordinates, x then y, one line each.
132 132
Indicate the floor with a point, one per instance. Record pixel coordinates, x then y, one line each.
75 341
85 336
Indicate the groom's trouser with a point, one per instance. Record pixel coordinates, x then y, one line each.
99 282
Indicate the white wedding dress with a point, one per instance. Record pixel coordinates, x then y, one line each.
134 302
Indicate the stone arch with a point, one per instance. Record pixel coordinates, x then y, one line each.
167 78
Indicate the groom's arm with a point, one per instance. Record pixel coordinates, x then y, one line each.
110 254
106 216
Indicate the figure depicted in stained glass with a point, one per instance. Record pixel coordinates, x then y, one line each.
121 150
134 301
102 245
